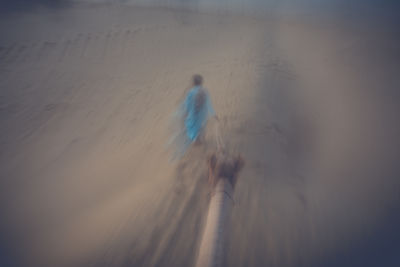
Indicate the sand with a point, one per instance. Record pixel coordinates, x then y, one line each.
86 96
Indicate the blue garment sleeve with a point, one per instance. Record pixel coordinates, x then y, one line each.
189 100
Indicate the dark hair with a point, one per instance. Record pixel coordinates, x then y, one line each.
197 79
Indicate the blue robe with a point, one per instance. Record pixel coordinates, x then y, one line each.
189 122
196 118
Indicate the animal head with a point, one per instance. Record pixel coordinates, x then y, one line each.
223 166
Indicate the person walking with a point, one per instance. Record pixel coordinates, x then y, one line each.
198 109
193 114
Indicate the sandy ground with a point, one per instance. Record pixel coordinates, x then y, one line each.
86 96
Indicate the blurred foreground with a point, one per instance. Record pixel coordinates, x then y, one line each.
86 95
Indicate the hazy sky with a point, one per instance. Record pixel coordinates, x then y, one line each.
356 5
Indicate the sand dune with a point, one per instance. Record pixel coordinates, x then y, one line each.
86 96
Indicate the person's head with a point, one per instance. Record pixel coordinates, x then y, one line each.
197 80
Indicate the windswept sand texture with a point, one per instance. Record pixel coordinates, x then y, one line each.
86 96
